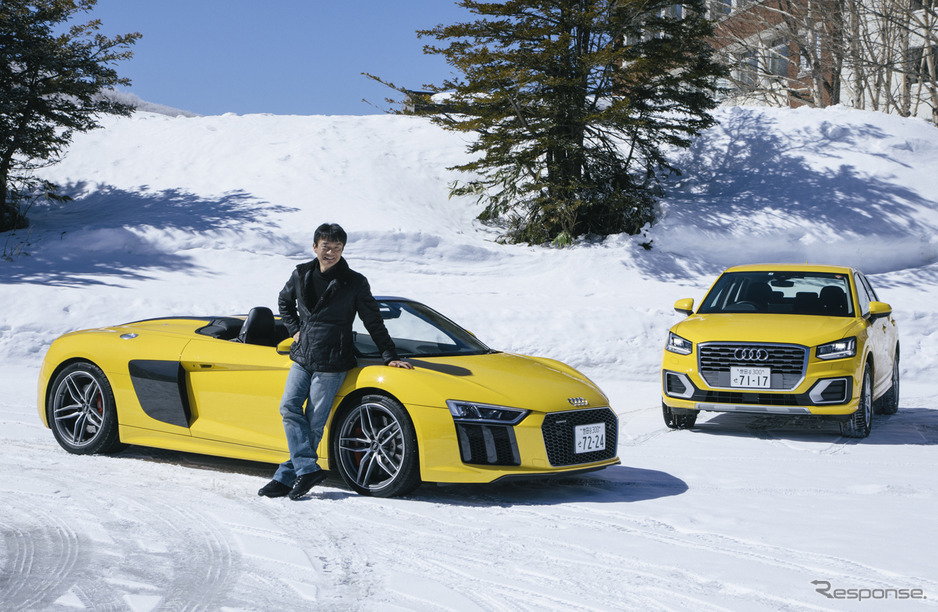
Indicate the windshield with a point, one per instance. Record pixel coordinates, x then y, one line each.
809 293
417 330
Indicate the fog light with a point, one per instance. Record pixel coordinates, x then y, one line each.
830 391
678 385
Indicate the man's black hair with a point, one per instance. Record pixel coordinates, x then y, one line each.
332 232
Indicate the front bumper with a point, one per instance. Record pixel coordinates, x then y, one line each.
826 388
540 445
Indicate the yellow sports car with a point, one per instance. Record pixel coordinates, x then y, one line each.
212 385
784 339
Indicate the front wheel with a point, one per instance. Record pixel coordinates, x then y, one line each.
683 420
889 402
376 448
82 412
861 421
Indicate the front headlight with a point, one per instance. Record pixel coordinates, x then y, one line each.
838 349
678 345
485 413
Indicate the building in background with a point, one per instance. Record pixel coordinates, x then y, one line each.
868 54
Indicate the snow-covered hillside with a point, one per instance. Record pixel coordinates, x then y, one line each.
207 215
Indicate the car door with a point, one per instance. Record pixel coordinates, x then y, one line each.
881 335
235 392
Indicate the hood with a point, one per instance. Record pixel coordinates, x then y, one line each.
501 379
806 330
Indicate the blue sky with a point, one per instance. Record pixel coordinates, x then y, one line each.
301 57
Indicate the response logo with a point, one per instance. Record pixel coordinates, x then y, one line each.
864 594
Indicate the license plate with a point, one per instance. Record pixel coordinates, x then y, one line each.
589 438
751 378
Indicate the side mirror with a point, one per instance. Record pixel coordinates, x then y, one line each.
685 306
879 310
284 347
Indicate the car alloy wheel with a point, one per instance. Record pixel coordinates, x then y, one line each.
81 411
376 447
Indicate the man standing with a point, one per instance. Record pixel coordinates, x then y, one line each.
318 304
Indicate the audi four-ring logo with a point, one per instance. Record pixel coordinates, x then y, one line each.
751 354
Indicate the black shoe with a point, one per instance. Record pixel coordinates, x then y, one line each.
306 482
274 488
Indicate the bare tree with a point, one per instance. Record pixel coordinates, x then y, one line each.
784 51
872 54
892 57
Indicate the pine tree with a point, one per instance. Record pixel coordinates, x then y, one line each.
51 84
572 103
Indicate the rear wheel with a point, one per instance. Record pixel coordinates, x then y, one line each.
680 420
376 448
82 412
860 422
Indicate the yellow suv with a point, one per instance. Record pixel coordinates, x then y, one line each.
784 339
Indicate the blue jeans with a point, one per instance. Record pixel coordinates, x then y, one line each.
304 429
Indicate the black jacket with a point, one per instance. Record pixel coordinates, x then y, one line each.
325 321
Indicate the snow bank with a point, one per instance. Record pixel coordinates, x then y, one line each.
178 215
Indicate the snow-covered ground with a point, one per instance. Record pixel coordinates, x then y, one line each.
207 215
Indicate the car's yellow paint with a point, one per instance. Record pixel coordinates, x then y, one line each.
234 390
805 330
502 379
684 306
876 335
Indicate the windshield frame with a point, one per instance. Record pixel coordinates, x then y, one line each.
796 292
460 341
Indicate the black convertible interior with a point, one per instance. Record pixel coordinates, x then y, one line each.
262 328
259 327
434 336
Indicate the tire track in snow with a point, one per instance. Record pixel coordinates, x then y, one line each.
90 532
232 555
41 560
799 562
47 560
504 550
311 550
594 578
476 566
203 563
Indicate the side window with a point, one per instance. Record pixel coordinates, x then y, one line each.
869 288
863 294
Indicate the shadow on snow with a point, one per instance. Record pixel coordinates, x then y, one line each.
102 235
908 426
753 172
610 485
615 484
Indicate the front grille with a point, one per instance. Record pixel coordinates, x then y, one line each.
484 444
787 362
558 429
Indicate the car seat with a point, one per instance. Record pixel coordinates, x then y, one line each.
260 327
834 300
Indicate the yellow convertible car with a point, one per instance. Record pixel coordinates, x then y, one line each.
212 385
784 339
